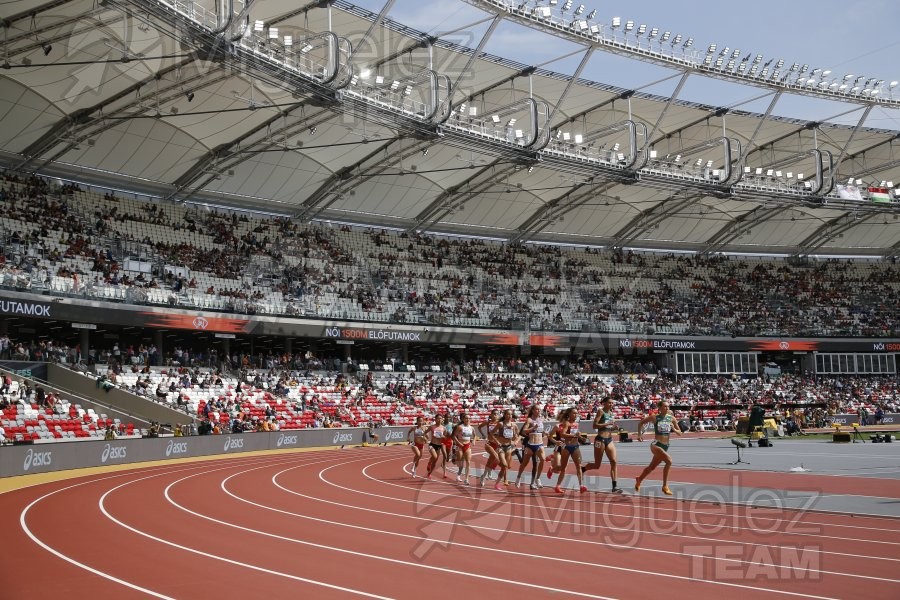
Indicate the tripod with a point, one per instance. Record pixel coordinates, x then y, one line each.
857 435
738 445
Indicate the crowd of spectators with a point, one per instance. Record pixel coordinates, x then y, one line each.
276 265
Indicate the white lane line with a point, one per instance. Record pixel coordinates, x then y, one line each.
106 513
503 551
354 552
23 518
750 519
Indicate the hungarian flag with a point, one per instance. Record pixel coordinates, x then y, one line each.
879 194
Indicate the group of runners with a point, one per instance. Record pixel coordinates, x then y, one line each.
442 441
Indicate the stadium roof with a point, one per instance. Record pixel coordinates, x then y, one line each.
381 124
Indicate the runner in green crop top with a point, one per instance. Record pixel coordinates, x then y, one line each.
604 443
663 425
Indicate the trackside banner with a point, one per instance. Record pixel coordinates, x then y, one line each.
59 456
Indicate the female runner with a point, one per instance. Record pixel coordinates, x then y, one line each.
416 435
533 431
505 432
604 423
437 436
464 435
663 424
567 432
492 446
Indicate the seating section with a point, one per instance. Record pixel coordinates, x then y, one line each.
23 420
67 240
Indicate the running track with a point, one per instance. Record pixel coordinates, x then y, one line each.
353 523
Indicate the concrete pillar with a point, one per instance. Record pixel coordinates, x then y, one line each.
158 342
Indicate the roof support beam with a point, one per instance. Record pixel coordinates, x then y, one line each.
81 118
474 55
752 139
562 97
830 230
27 14
573 198
299 11
364 40
740 226
694 123
198 174
669 102
648 219
316 206
843 154
444 202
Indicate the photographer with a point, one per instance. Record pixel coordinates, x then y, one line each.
153 432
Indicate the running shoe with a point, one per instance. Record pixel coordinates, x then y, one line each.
459 477
666 490
414 475
499 487
558 490
582 489
637 484
518 483
550 473
539 484
534 486
616 490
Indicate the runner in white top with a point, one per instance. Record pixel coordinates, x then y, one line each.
533 431
416 436
464 435
505 433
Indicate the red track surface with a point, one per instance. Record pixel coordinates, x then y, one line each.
352 522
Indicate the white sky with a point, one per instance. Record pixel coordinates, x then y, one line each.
859 37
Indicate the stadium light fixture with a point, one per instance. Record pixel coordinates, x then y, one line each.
259 26
47 48
616 22
567 5
189 96
379 79
579 139
665 36
629 25
591 15
676 40
711 49
689 43
273 33
642 29
495 118
288 41
579 10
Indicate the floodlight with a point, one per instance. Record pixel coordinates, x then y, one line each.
519 134
629 25
616 21
567 5
394 85
789 174
799 175
893 84
288 41
306 48
407 91
591 15
379 79
759 171
579 10
758 59
653 33
699 162
747 170
677 39
511 123
653 154
259 26
665 36
473 111
708 60
780 63
495 118
859 182
642 29
689 43
615 147
595 29
709 164
777 173
566 136
579 138
273 33
719 62
711 49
